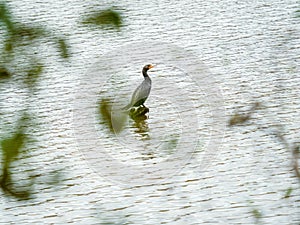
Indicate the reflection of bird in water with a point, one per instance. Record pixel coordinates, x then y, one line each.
142 128
142 92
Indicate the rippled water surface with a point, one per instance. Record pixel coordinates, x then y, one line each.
183 164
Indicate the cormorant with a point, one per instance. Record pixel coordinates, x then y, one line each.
142 92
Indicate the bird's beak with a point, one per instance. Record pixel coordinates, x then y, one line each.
151 66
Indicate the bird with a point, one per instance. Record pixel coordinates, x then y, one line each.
142 92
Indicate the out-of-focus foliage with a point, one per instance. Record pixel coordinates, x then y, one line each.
170 143
20 40
19 34
4 73
12 147
16 32
257 215
108 18
105 112
238 119
33 74
114 119
288 192
64 48
241 118
294 149
296 158
5 16
298 13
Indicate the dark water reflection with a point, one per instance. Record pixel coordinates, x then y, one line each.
139 117
142 128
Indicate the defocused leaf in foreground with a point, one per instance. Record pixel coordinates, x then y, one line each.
18 57
11 146
288 192
26 32
114 119
63 48
4 73
5 17
241 118
11 149
33 74
19 34
106 18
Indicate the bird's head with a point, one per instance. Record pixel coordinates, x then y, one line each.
148 67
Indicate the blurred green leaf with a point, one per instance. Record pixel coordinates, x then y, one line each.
22 32
106 18
172 144
54 177
22 35
105 112
33 74
288 192
241 118
4 73
5 17
256 213
8 45
113 119
11 146
238 119
11 149
20 41
63 48
17 33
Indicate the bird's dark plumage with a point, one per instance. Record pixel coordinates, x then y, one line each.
142 92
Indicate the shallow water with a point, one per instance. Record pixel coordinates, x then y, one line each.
166 170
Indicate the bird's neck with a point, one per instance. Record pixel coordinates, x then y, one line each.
145 74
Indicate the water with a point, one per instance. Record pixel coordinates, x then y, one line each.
251 50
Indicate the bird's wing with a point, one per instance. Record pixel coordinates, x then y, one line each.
141 92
